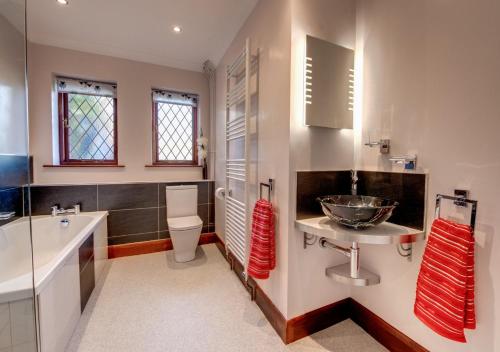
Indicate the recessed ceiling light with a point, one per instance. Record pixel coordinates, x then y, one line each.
63 2
177 29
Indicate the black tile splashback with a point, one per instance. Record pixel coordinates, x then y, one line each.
45 197
14 173
141 237
133 221
406 188
11 200
313 184
128 196
15 170
137 211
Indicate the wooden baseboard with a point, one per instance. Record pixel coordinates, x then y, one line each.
272 313
324 317
317 320
137 248
387 335
220 246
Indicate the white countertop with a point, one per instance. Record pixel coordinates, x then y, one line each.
385 233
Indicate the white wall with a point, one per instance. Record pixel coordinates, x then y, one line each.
427 77
135 81
315 149
268 27
13 122
431 83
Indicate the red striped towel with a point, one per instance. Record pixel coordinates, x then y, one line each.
445 285
262 245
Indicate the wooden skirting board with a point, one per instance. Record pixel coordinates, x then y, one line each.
125 250
324 317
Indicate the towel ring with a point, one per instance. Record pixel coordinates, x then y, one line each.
269 189
458 200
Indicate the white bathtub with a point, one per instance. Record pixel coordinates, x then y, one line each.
57 274
52 245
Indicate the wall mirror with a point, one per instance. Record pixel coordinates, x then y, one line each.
329 84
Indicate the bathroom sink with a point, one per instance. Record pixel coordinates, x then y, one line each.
357 212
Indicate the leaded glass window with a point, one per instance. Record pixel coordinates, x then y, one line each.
87 118
175 119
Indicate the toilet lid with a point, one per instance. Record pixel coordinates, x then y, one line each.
184 223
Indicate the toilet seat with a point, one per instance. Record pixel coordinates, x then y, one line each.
184 223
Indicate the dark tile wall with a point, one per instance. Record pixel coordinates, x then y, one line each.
11 200
406 188
137 211
14 173
14 170
313 184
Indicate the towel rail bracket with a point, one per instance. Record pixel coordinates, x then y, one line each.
459 200
270 188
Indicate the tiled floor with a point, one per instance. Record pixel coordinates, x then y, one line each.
150 303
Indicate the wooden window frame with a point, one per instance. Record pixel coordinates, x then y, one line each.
156 160
64 150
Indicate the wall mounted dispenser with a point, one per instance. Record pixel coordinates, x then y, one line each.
384 144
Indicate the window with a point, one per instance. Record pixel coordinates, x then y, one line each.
87 122
175 130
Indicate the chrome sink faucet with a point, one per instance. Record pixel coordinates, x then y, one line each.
61 211
354 181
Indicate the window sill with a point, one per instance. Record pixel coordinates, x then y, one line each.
170 165
83 165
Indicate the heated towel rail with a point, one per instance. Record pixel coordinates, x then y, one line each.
238 107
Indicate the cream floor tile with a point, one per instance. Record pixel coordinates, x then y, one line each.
150 303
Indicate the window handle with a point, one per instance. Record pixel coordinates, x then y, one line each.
66 123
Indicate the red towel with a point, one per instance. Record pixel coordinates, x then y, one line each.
262 245
445 285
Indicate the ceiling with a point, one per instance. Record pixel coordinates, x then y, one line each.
141 29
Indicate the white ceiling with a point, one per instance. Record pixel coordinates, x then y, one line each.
141 29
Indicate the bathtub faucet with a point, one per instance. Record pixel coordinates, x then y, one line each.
61 211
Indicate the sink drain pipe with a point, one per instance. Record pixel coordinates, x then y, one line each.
352 253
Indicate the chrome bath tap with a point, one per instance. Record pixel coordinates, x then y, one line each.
61 211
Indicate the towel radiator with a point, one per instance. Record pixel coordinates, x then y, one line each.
237 133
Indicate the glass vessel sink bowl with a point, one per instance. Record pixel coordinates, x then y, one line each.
357 212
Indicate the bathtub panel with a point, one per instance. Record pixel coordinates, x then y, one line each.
5 340
59 306
22 321
87 282
86 251
100 248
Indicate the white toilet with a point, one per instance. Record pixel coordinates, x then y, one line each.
183 221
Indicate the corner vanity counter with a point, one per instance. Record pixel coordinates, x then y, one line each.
385 233
322 193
